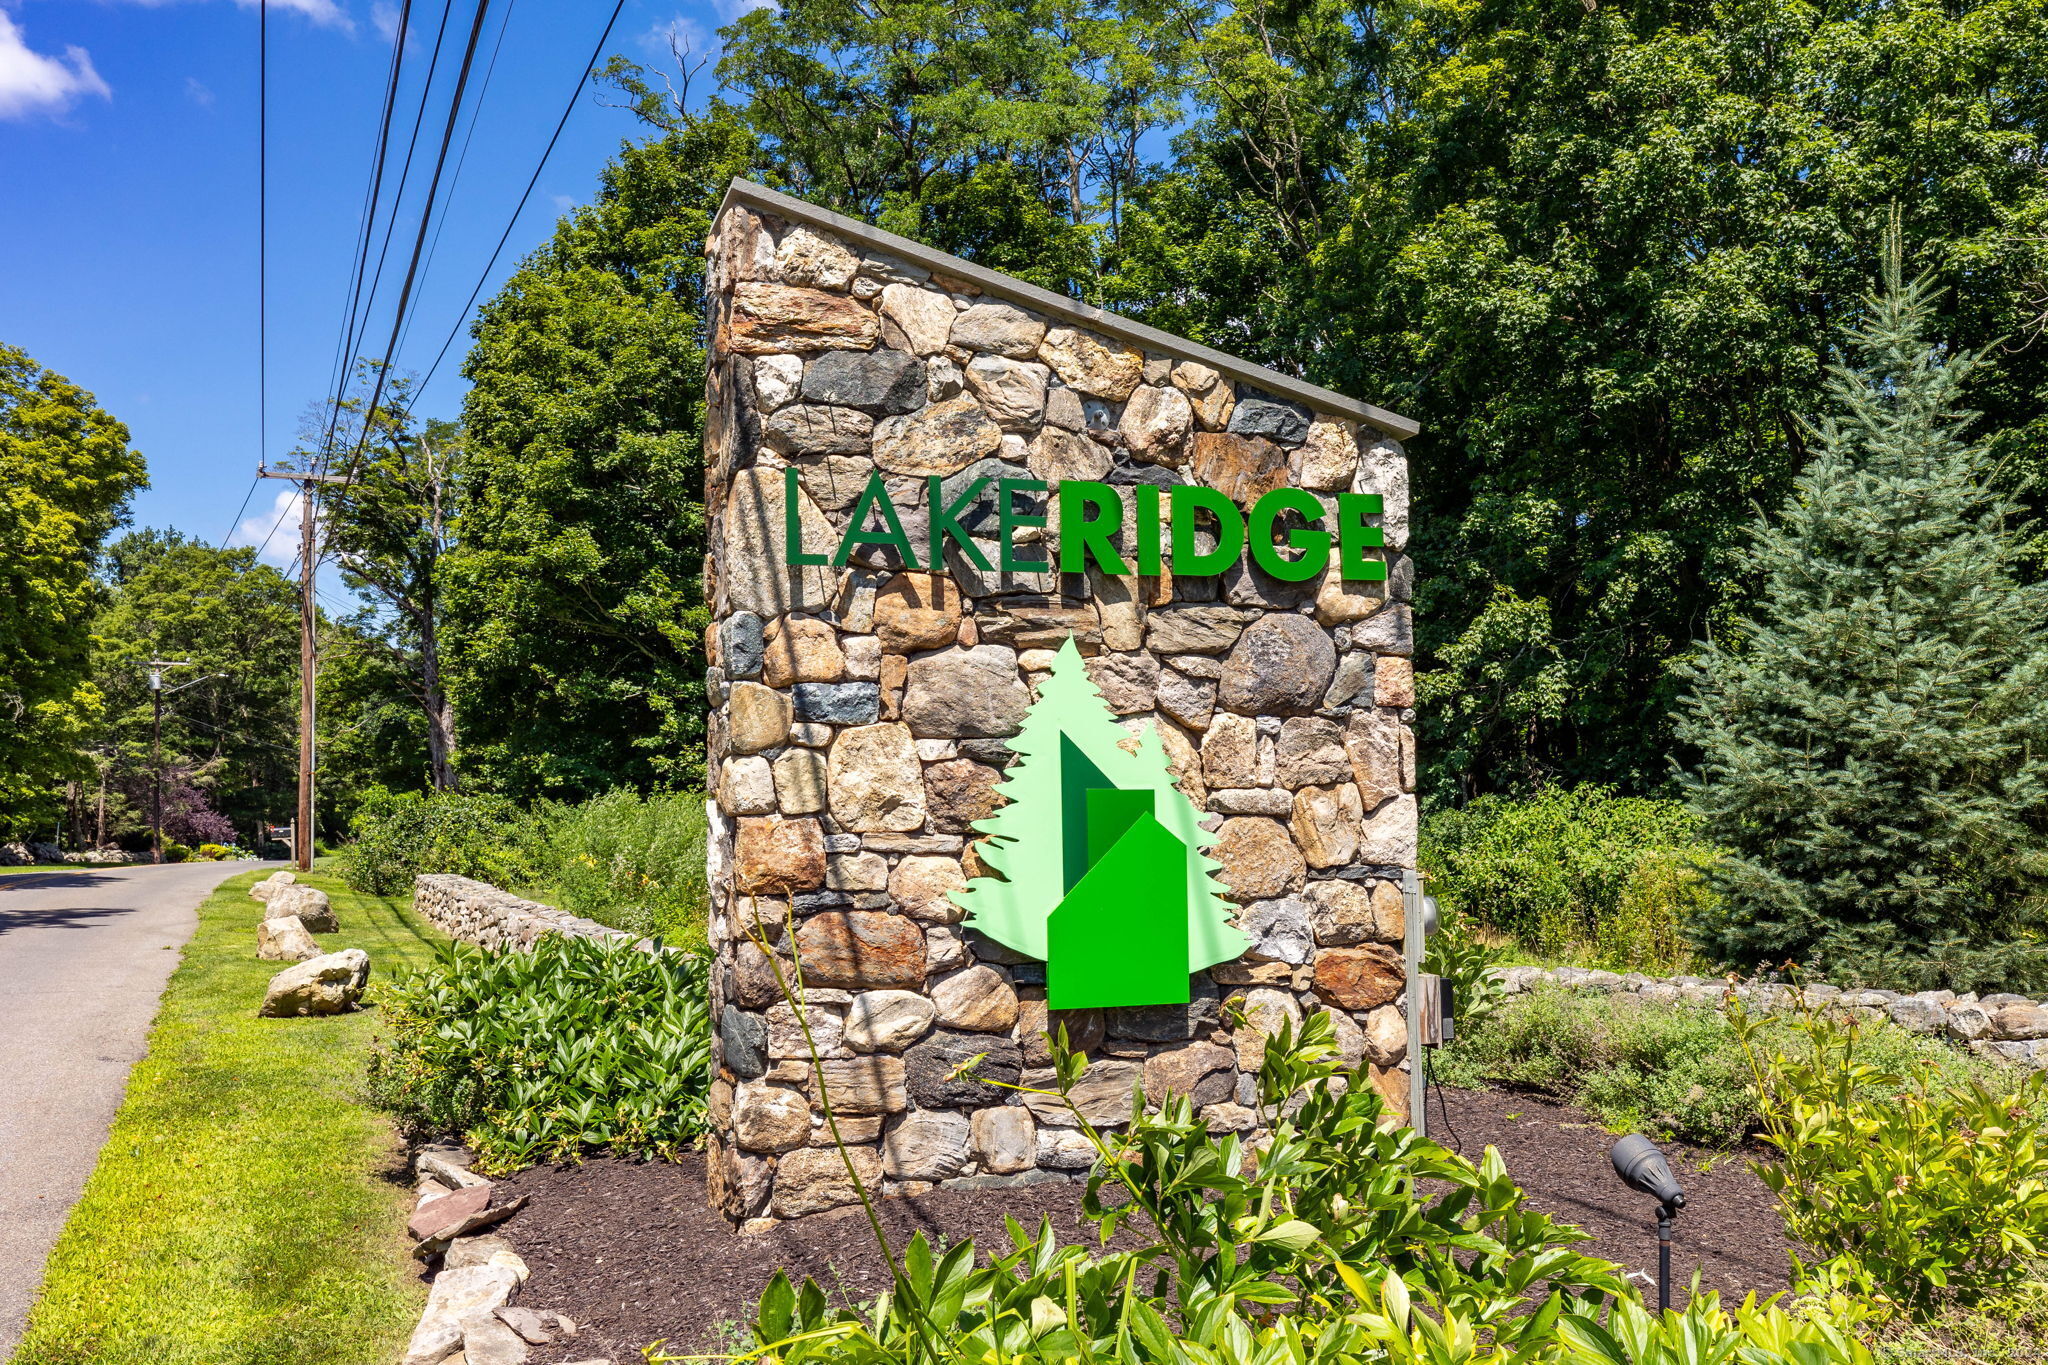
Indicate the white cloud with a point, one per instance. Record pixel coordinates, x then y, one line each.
327 13
319 11
283 518
196 91
685 34
384 18
680 34
32 82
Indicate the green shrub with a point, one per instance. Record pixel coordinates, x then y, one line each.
1350 1241
577 1045
1909 1189
175 852
1465 963
635 863
213 853
1672 1071
400 835
1572 867
1675 1071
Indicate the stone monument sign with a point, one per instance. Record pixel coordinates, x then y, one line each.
1052 656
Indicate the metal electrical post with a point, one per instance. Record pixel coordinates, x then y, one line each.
1412 934
302 846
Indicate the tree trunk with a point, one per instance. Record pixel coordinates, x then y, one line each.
440 710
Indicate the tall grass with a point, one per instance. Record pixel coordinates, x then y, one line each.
633 862
630 861
1575 872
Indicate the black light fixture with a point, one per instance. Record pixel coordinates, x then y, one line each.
1642 1167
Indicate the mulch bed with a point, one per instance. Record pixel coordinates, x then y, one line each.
633 1252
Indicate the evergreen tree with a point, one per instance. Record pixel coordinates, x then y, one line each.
1874 735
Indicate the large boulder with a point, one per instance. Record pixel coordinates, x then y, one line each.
329 984
270 885
284 939
308 903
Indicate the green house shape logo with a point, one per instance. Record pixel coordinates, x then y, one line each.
1099 861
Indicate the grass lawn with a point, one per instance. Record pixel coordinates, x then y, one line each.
248 1208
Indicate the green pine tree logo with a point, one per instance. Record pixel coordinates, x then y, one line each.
1102 873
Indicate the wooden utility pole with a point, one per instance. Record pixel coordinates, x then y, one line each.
156 750
302 845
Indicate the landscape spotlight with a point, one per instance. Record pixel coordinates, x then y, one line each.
1642 1167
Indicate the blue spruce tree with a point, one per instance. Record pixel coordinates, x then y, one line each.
1873 735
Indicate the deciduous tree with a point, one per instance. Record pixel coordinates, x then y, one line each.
66 474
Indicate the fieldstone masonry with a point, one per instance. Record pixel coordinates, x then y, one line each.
859 712
479 913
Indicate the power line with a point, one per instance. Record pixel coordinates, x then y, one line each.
476 114
287 511
520 207
420 239
412 144
366 230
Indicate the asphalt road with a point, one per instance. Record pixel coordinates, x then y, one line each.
83 959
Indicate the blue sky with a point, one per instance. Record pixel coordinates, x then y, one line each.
128 206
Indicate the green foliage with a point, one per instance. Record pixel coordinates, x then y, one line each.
373 730
573 604
576 1045
66 474
1005 132
397 836
1675 1072
1572 866
633 862
388 529
1324 1251
1906 1189
213 853
1874 733
1753 1334
1466 963
1672 1070
232 728
1600 252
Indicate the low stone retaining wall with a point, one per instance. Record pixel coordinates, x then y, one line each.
479 913
31 854
2012 1028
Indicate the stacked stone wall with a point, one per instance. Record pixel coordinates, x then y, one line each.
860 716
2003 1025
479 913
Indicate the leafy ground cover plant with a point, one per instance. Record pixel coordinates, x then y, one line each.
577 1045
1673 1072
1342 1238
1912 1190
1574 870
